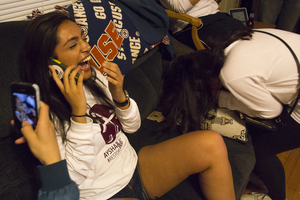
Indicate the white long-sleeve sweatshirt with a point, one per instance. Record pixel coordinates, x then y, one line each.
99 156
261 74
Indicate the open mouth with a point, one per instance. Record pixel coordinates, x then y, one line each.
84 64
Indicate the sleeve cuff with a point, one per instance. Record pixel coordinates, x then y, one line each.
54 176
79 127
223 98
123 113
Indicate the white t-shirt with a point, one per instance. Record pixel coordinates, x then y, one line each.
200 9
99 156
260 74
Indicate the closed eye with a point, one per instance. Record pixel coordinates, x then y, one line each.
73 46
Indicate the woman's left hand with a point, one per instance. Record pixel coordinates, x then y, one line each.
115 81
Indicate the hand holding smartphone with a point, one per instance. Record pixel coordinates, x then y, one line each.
25 100
41 141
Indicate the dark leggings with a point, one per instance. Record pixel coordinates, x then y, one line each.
266 145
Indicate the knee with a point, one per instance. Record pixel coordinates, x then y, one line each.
213 145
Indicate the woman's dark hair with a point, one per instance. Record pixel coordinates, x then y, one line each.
38 46
186 95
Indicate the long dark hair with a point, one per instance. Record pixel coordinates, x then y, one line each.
38 46
186 95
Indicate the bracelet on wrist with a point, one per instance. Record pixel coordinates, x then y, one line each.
122 104
78 115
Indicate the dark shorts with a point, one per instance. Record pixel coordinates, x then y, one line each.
134 189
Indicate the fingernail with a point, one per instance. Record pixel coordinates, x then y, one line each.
24 123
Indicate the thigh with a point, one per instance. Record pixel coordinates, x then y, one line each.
165 165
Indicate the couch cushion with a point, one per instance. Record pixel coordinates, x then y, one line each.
17 171
11 36
143 82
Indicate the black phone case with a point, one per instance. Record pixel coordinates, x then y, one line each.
60 68
25 96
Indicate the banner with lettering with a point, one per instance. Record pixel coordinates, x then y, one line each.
110 32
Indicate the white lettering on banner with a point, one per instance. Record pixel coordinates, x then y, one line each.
79 14
121 55
135 47
95 1
99 12
80 18
81 21
146 50
117 16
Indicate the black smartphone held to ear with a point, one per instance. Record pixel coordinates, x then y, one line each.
60 68
25 100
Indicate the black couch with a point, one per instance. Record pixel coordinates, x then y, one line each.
18 179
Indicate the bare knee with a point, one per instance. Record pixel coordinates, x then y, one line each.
215 144
208 139
210 147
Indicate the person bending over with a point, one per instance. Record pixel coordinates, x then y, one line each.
254 73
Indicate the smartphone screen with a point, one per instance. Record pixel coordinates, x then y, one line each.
25 103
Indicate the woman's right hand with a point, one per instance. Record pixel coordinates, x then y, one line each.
73 92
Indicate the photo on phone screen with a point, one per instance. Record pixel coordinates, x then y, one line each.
25 103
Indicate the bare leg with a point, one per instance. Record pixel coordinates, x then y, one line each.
165 165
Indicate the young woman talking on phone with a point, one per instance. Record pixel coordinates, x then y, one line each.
91 114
